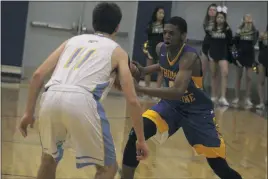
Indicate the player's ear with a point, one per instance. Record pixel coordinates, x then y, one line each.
183 36
116 29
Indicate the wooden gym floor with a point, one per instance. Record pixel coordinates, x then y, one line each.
245 133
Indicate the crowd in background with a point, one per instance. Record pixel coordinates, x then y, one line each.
221 47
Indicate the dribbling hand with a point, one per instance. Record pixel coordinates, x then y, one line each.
25 121
142 150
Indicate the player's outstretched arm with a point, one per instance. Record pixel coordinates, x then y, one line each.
148 69
181 81
38 78
121 58
35 86
151 68
120 61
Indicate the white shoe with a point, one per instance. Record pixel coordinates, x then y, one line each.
214 99
235 101
156 98
223 101
248 102
260 106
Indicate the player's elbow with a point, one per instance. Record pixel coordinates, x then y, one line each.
37 76
133 101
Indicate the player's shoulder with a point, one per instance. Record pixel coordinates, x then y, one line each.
189 53
189 49
119 52
159 46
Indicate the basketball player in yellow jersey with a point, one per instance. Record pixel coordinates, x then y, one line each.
70 109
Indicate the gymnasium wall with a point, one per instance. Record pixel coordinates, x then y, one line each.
40 42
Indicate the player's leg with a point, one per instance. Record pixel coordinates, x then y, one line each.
52 135
91 137
130 162
202 133
158 122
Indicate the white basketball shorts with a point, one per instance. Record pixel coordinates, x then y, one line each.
70 115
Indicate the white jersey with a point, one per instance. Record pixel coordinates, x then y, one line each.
86 62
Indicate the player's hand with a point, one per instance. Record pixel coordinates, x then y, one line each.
140 68
136 85
25 121
142 150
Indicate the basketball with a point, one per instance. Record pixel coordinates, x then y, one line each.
135 74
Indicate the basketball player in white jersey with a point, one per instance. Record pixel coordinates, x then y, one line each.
70 110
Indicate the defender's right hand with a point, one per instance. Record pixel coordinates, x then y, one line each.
142 150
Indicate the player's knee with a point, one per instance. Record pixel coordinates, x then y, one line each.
48 160
224 73
149 130
106 172
129 156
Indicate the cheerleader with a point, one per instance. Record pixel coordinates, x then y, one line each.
220 44
244 41
155 35
208 24
263 67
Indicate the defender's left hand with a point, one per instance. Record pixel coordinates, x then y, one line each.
25 121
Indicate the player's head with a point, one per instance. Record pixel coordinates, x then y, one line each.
175 31
106 18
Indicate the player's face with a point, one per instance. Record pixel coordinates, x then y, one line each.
220 19
172 35
160 14
212 11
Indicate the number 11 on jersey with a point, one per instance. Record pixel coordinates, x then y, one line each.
81 59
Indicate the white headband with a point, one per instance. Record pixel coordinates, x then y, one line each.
222 9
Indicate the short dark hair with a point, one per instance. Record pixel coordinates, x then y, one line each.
179 22
106 17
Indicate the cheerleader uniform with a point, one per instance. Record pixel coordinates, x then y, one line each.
244 42
155 36
220 44
205 45
263 55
